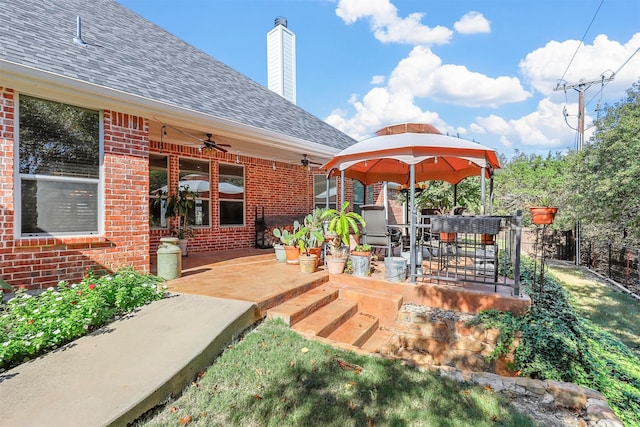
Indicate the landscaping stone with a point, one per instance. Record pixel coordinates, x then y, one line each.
443 341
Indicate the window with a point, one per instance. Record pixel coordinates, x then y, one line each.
320 191
59 168
194 174
231 194
158 190
358 196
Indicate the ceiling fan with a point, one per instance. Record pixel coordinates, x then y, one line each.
212 145
306 162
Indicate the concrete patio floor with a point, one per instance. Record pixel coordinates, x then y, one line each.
253 275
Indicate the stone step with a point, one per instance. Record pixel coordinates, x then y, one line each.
356 330
378 340
296 309
327 319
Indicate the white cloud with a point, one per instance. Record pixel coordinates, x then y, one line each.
472 23
378 80
544 128
423 74
388 27
545 66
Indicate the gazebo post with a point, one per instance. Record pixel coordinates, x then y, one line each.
327 194
412 222
341 188
483 195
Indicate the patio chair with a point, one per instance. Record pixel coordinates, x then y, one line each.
377 233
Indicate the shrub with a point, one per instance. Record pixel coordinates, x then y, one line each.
558 344
31 325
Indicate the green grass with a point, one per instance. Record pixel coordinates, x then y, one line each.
274 377
613 311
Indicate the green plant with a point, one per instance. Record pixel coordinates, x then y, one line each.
287 237
307 238
558 344
31 325
362 248
343 222
179 205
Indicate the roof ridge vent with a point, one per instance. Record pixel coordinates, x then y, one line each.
78 38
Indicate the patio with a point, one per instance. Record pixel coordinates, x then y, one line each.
357 311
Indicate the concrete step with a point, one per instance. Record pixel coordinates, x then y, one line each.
381 304
356 331
325 320
296 309
378 340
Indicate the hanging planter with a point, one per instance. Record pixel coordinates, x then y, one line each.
543 215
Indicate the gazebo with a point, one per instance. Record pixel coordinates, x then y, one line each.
410 153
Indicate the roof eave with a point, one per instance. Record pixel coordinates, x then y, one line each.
54 86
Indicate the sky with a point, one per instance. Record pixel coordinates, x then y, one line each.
486 70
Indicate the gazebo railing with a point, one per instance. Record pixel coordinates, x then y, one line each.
470 249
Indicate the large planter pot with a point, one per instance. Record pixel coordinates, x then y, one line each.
395 269
360 262
281 255
307 263
336 265
543 215
182 244
292 253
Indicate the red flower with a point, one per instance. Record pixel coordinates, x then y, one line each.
79 292
74 302
92 286
30 322
23 286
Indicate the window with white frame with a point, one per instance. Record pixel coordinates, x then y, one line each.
320 191
194 174
58 167
231 194
158 190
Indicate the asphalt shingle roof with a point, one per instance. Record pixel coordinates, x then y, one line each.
130 54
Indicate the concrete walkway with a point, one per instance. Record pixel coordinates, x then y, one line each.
119 372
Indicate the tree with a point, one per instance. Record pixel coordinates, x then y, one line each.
533 180
606 174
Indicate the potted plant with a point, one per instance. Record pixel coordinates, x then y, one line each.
307 239
543 215
288 239
339 229
179 204
283 235
360 260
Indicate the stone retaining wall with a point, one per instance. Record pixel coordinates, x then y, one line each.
441 340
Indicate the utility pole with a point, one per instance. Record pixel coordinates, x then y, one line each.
581 87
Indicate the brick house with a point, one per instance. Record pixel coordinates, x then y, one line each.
96 125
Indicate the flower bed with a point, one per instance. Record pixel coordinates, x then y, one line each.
31 325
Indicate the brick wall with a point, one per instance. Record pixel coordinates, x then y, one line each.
287 190
44 261
127 239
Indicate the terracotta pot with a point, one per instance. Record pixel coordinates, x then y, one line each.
336 265
316 252
358 253
307 263
292 254
487 239
447 237
543 215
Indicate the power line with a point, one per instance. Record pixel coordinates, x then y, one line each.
582 40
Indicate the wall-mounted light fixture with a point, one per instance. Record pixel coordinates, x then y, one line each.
273 165
237 157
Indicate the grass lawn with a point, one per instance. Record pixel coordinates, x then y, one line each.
613 311
274 377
